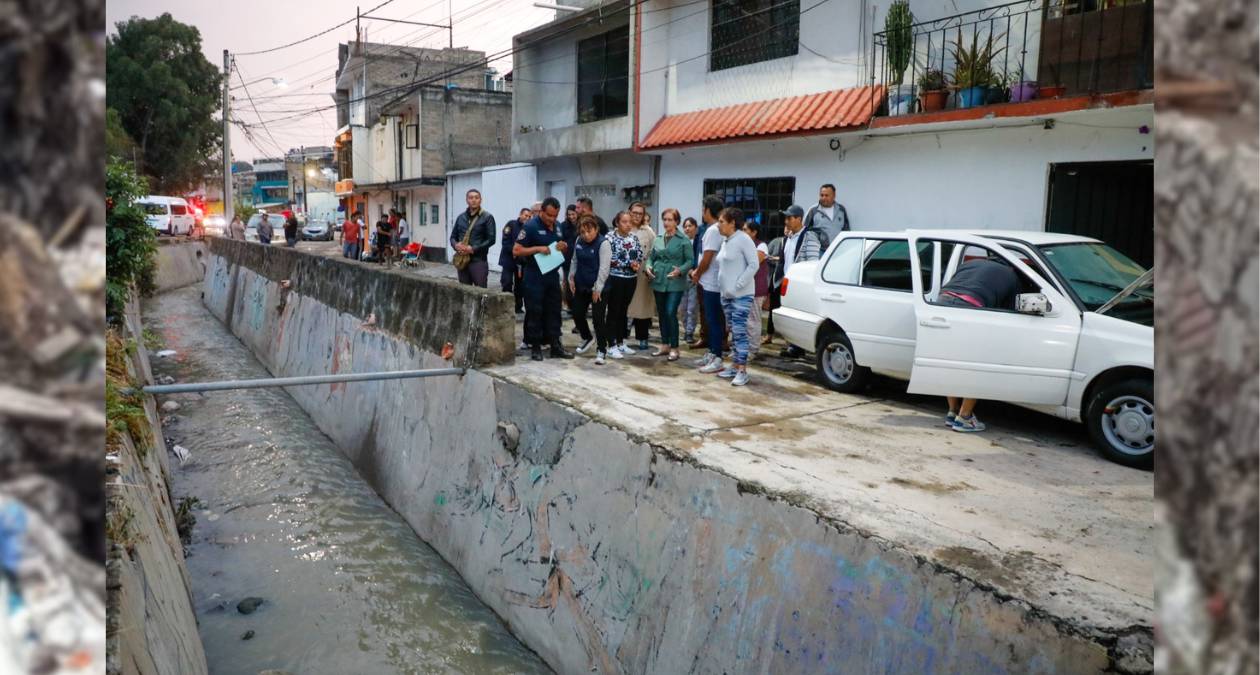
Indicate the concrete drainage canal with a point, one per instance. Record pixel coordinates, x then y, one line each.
296 564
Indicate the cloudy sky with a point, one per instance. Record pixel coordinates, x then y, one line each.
308 69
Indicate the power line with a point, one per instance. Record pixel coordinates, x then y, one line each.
251 103
312 37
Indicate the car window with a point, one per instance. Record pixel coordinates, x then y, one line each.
888 266
179 209
843 265
153 209
970 253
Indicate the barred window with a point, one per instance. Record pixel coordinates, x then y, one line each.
752 31
603 76
761 199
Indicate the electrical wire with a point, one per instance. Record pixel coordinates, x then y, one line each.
255 107
311 37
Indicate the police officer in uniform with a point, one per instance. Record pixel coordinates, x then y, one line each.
542 291
509 275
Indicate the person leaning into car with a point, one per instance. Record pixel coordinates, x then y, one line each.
977 284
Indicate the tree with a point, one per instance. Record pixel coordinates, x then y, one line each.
118 143
130 244
166 95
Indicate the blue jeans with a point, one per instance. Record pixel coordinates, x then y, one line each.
667 308
690 307
737 310
713 317
351 251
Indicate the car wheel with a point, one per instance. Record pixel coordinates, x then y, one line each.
1121 421
836 365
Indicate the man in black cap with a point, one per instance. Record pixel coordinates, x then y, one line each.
799 245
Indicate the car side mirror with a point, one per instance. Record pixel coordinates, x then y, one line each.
1032 303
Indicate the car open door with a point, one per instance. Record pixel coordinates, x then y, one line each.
993 353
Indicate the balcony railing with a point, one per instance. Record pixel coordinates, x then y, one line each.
1014 52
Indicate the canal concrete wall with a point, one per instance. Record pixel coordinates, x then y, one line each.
603 552
180 263
151 628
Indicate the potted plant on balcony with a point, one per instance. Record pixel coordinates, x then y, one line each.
900 46
933 90
1021 89
973 69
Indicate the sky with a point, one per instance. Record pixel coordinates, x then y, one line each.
308 69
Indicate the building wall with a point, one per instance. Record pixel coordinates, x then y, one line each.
835 45
600 176
544 122
964 178
504 190
463 129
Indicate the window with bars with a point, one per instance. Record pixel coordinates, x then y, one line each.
752 31
603 76
761 199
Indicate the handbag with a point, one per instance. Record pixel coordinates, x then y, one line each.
461 260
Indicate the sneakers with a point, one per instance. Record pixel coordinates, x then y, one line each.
599 358
643 345
522 346
949 418
616 352
740 379
536 353
704 360
713 366
586 344
689 338
728 372
967 424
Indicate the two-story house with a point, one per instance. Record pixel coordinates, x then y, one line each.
409 115
270 188
1034 114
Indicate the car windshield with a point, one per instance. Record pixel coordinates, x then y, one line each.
1097 272
153 209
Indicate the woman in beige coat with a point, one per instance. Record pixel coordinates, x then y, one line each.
643 304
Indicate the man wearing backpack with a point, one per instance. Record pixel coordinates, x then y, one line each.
827 218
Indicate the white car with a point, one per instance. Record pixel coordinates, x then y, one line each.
167 215
277 226
317 230
1079 343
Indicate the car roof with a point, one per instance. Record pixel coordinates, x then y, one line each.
162 199
1033 237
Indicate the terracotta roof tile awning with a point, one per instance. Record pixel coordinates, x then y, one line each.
798 115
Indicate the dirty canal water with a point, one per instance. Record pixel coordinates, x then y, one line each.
346 586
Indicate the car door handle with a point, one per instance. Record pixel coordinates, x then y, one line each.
834 297
935 322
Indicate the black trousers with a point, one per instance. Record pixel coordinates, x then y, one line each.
542 308
774 304
619 292
510 281
582 301
475 274
643 329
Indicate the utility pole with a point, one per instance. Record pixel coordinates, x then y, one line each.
306 209
228 206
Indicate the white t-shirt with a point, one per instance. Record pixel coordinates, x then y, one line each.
402 229
712 242
789 250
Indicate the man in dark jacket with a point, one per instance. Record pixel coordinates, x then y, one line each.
568 234
827 218
290 229
509 274
480 239
584 206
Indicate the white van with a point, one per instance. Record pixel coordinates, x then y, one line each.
169 215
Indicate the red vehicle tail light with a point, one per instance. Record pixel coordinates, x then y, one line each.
783 289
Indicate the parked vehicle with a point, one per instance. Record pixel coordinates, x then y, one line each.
317 230
277 226
167 215
216 225
1078 344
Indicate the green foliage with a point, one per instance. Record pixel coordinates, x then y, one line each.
118 142
932 79
244 210
900 39
166 95
124 411
185 519
118 525
131 245
973 66
152 341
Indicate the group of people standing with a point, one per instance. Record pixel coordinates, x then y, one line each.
392 235
619 278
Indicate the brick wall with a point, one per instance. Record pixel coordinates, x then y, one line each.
477 124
